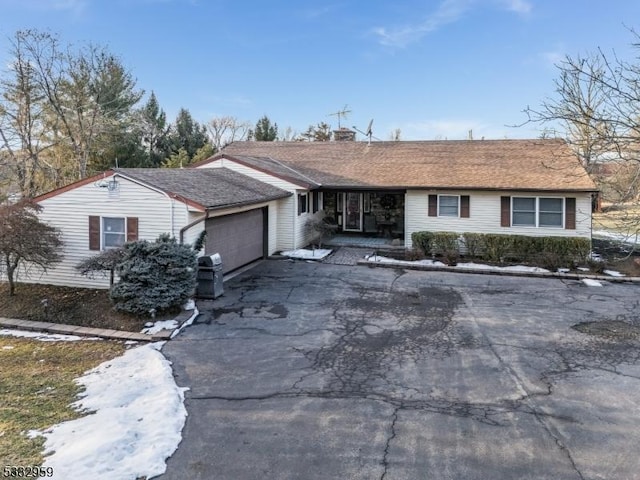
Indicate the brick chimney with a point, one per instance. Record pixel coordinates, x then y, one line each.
343 134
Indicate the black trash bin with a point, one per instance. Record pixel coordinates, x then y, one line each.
209 276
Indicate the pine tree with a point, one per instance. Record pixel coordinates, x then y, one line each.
187 133
265 131
154 276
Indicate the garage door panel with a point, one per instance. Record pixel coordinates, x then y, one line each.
239 238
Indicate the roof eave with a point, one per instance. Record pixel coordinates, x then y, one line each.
248 202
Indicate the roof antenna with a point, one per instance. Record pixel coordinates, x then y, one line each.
341 114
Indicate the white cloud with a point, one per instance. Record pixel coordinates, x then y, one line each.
552 58
519 6
449 11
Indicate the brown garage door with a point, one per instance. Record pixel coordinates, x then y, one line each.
239 238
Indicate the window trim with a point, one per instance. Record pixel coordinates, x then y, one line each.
457 215
537 212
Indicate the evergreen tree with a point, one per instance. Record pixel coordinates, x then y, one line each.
154 276
318 133
151 124
264 131
187 133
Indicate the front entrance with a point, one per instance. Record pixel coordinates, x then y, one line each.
353 212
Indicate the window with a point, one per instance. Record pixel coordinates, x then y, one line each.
113 232
448 205
316 201
524 212
550 212
537 212
302 203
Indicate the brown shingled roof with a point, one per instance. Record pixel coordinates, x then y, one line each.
469 164
211 188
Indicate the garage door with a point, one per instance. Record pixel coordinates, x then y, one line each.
239 238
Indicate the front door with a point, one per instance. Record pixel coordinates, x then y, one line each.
353 212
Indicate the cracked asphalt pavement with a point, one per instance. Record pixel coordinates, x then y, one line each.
316 371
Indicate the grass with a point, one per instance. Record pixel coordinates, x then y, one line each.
36 388
623 219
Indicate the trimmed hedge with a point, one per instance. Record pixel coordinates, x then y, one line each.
550 252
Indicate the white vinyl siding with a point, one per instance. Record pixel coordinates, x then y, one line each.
287 225
486 215
69 211
292 228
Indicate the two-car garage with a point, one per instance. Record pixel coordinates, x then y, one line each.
240 238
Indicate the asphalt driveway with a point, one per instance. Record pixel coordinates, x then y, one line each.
314 371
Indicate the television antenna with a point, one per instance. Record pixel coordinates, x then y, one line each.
341 114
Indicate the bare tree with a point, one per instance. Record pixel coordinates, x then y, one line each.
26 241
597 109
23 115
87 92
225 130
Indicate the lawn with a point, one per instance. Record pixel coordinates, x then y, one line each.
86 307
36 388
623 219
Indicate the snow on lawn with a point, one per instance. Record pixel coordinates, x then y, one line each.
44 337
136 425
151 328
462 266
306 254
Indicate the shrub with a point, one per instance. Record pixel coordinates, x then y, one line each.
474 244
154 276
550 252
422 241
104 262
496 247
414 254
446 245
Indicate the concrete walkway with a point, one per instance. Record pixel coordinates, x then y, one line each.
63 329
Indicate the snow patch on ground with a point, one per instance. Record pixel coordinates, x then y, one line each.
463 266
306 254
159 326
591 282
613 273
631 239
380 259
137 424
44 337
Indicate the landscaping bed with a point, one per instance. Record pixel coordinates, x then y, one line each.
86 307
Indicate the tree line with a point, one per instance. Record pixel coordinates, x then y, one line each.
67 112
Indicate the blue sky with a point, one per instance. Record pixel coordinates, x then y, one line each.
433 68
